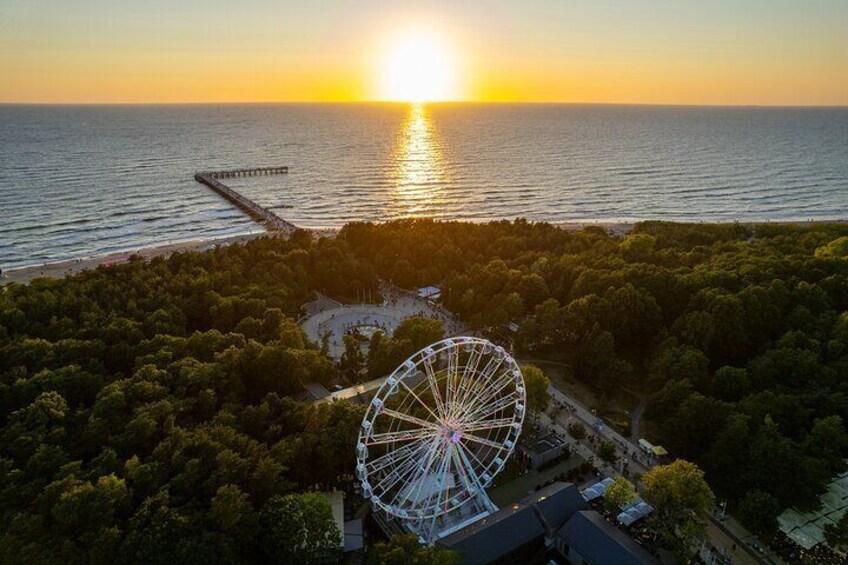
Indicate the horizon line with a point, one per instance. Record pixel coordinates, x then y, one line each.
425 103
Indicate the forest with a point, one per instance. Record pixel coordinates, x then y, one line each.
149 411
737 335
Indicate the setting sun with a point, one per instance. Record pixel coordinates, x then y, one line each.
418 66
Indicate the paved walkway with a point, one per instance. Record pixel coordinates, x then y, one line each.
329 316
729 539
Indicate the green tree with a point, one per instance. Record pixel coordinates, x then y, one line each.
298 528
620 493
836 249
638 246
758 511
352 361
419 331
607 453
682 500
232 512
536 384
577 431
406 550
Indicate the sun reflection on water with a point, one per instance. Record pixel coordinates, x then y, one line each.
420 174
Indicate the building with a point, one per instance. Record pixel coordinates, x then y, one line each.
519 532
545 449
553 520
352 538
510 535
588 538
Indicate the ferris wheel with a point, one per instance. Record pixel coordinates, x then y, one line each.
437 432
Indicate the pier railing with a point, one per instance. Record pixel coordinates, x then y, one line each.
263 215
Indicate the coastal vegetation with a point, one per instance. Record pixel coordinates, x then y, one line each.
149 411
736 335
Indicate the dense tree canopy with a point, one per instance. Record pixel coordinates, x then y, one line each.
738 333
413 334
148 411
144 406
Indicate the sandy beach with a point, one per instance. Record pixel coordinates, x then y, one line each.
24 275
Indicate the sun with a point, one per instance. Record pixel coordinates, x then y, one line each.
418 66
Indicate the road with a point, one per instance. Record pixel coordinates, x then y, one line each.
730 539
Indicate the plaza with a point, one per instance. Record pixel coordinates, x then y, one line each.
325 316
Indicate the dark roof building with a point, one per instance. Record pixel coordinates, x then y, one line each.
555 504
553 517
508 535
587 538
517 532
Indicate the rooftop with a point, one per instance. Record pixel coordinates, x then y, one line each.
599 542
513 526
496 535
556 503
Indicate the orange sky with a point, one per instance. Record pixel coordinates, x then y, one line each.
762 52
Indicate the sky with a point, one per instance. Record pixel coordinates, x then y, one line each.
736 52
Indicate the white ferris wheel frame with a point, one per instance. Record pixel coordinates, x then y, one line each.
439 429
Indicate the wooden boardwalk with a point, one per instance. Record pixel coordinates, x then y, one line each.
259 213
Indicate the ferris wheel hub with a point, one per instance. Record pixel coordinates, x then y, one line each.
453 435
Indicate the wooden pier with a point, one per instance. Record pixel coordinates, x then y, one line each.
259 213
255 172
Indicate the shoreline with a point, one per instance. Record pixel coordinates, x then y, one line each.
61 269
68 267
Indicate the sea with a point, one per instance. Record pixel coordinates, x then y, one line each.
82 181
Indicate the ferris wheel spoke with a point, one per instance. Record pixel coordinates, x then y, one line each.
396 457
488 425
418 482
434 388
462 473
404 435
482 413
451 381
401 474
408 418
483 466
470 370
483 441
469 468
441 475
477 388
491 393
463 380
421 402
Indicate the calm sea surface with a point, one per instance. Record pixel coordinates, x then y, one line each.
80 181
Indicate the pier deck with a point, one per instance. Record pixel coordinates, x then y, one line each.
259 213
